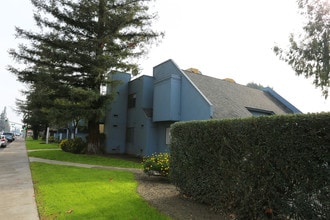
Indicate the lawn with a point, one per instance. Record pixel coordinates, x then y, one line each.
64 192
83 158
36 145
39 144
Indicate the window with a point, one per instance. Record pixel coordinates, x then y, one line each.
101 128
259 112
131 100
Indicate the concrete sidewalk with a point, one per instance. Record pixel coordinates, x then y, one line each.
17 199
34 159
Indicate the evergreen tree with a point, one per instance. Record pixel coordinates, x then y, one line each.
32 109
255 85
310 55
79 44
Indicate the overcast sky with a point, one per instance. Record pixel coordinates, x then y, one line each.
221 38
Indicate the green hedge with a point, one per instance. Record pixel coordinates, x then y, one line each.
261 167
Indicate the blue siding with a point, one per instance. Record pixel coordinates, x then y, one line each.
161 100
161 137
137 118
148 90
166 100
175 96
194 105
167 92
115 124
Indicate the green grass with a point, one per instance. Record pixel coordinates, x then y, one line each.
39 144
64 192
75 158
83 158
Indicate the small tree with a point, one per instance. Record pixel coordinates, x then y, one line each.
310 55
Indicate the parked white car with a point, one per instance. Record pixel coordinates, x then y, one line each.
3 141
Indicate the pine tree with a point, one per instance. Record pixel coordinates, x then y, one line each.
37 98
79 44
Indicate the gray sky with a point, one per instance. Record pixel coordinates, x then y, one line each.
221 38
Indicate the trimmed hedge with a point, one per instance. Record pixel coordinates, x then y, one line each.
261 167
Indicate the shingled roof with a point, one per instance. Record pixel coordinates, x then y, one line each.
232 100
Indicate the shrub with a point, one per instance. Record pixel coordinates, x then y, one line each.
51 139
157 164
75 146
274 167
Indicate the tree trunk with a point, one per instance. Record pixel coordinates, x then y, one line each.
45 132
35 134
93 139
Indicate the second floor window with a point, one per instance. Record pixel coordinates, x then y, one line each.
131 100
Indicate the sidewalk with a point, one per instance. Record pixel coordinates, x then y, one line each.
34 159
17 200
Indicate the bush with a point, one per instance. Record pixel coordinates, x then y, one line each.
157 164
75 146
52 139
260 167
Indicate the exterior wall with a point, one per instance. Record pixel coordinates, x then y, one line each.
151 137
169 96
175 99
116 119
138 121
123 121
167 92
161 145
193 104
175 96
160 101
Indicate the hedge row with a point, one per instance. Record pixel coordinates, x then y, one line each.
262 167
